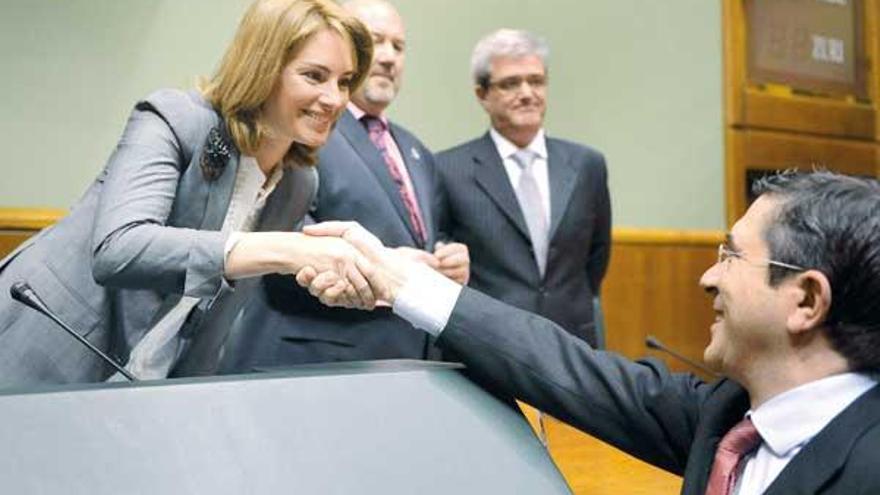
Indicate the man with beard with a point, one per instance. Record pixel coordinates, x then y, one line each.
376 173
533 210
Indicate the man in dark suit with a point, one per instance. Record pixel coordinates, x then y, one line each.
796 336
533 210
374 172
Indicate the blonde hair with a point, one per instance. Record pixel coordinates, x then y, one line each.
270 35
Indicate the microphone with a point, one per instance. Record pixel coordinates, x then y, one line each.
23 293
654 343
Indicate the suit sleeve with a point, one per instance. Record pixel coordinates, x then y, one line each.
600 244
441 202
640 407
132 246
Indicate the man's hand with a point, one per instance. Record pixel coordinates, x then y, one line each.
454 261
338 267
419 256
385 269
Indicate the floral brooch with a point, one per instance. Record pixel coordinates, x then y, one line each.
216 153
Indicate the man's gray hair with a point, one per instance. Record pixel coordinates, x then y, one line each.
505 43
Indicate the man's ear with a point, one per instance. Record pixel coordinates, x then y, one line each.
481 94
813 299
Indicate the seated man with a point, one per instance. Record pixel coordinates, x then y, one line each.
796 290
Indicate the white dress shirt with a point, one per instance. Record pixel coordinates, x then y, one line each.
788 421
538 147
248 199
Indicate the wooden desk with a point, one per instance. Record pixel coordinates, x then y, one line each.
595 468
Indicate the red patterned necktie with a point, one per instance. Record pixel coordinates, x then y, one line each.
376 128
739 441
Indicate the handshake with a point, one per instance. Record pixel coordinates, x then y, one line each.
349 267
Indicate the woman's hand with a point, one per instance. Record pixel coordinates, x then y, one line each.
340 265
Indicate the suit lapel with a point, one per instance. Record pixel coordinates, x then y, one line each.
492 178
357 136
824 456
420 179
563 177
219 193
724 408
290 199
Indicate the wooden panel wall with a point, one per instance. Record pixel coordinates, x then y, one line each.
774 127
652 289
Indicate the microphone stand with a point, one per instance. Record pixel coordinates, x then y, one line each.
23 293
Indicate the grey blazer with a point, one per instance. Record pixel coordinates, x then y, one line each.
284 325
671 420
480 209
146 232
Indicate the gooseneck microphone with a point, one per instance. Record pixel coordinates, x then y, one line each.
654 343
23 293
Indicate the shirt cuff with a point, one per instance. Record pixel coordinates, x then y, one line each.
231 241
426 299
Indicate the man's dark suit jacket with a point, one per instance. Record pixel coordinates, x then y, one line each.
673 421
285 325
480 209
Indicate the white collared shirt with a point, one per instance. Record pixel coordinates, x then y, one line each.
540 170
248 199
788 421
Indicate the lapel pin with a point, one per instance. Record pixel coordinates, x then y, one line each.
415 154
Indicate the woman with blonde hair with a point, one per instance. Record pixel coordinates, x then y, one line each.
199 197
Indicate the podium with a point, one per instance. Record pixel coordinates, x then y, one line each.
381 427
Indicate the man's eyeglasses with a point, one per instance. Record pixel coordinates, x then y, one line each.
513 83
725 253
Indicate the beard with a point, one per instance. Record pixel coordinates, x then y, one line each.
380 93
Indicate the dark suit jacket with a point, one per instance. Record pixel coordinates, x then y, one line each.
145 233
673 421
285 325
480 209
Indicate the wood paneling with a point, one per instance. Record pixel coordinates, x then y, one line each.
756 106
749 149
772 127
28 219
652 289
17 224
767 150
9 239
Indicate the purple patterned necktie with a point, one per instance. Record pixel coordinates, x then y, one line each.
376 128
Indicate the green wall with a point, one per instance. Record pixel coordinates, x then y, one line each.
638 79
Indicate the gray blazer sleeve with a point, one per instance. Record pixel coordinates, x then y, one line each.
640 407
132 245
